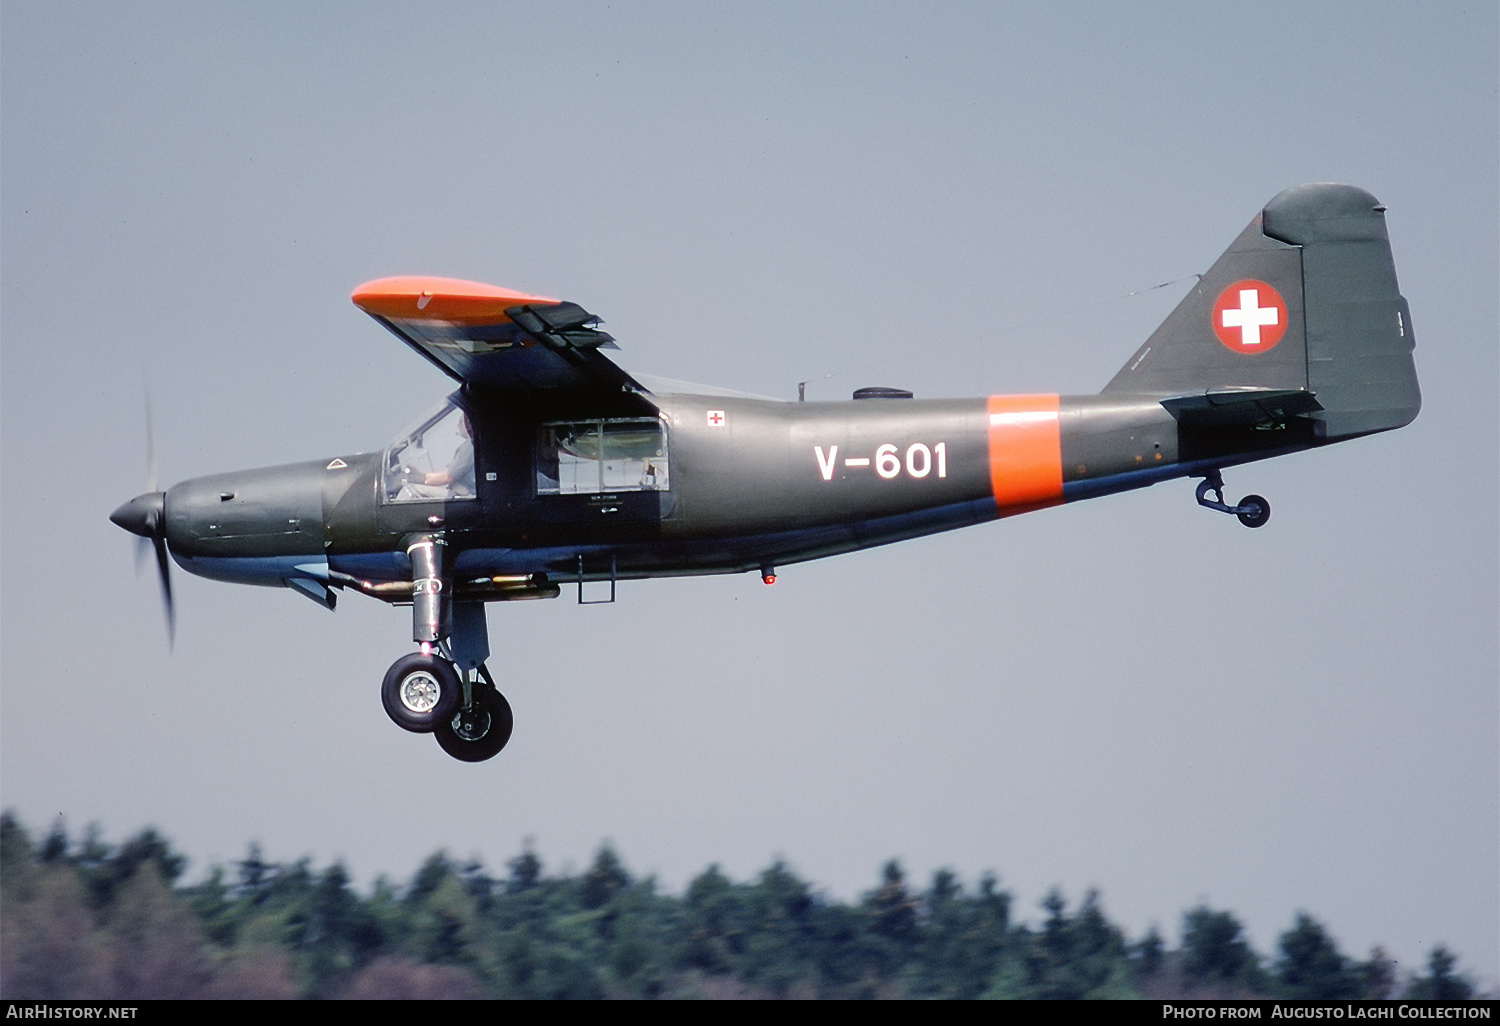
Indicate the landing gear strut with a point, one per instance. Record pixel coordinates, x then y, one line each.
1253 510
445 689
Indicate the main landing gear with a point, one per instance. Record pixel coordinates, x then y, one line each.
1253 510
445 689
425 694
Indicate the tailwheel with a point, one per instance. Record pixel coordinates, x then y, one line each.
479 730
421 691
1253 511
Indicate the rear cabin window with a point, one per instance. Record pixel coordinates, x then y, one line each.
590 456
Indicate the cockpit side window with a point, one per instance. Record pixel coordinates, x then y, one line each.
627 454
432 462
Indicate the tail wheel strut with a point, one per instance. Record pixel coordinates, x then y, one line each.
1253 510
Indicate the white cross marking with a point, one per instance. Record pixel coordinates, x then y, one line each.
1250 317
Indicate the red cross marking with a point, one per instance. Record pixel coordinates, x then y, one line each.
1250 317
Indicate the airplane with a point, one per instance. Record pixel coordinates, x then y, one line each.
551 465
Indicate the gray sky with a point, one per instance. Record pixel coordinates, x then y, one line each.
1131 693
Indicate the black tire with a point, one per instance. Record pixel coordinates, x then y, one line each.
1255 511
421 691
480 732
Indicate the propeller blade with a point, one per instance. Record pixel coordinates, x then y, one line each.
164 570
146 517
150 449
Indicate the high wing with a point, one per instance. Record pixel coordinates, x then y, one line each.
485 335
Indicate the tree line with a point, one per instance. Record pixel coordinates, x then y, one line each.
86 919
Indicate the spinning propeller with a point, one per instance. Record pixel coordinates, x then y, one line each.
146 516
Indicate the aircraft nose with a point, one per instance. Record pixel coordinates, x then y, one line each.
143 515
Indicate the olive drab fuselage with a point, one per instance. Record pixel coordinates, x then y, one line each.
750 484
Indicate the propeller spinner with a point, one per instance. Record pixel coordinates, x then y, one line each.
146 516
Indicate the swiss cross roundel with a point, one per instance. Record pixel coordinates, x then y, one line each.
1249 316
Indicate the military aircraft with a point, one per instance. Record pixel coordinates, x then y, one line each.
551 465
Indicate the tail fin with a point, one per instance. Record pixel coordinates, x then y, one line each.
1304 300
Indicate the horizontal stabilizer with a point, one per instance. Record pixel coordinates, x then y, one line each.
1241 407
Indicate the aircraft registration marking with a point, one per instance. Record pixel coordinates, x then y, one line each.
920 460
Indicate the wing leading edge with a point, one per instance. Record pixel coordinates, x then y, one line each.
498 338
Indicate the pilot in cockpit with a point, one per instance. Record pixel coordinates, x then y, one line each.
458 476
424 473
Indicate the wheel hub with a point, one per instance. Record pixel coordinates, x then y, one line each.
472 724
420 692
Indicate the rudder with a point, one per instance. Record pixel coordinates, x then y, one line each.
1359 332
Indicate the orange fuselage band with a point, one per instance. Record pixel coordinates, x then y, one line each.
1025 452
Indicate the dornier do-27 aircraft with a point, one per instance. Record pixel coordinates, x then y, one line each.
552 465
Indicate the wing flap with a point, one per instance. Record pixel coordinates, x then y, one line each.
486 335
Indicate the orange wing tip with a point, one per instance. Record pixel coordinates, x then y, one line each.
440 299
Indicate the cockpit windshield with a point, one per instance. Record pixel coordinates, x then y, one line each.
432 461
